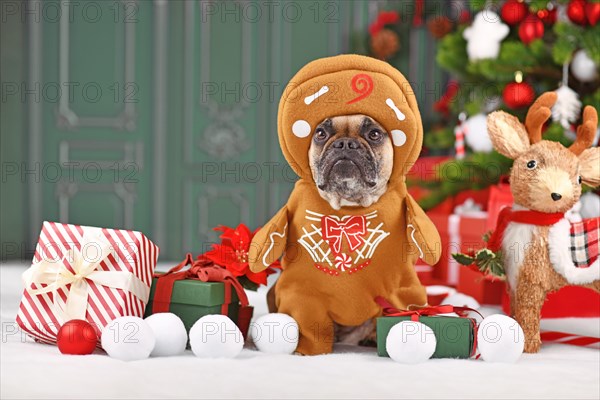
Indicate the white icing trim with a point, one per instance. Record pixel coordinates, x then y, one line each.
412 236
314 96
559 243
399 114
281 235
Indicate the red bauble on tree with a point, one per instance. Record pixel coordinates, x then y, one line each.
77 337
514 11
576 12
518 94
548 16
592 10
530 29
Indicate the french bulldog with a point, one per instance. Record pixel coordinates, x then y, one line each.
351 159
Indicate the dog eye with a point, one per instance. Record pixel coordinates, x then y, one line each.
579 179
375 135
320 134
531 164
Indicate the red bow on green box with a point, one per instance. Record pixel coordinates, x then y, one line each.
200 269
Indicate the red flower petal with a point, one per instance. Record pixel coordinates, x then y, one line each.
259 278
221 255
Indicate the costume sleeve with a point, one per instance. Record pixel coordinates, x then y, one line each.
422 232
269 242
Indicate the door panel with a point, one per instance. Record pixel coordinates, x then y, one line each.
96 99
161 116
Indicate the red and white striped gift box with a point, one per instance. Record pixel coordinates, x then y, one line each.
112 268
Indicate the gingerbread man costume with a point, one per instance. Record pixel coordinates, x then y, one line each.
335 262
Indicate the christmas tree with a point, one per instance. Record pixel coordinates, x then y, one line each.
500 55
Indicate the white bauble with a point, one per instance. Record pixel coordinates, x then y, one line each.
567 107
590 205
128 339
462 300
583 67
500 339
216 336
275 333
484 36
476 134
410 342
170 333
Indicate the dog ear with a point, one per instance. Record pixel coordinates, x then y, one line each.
508 135
590 166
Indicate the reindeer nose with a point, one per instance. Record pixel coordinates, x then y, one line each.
556 196
347 143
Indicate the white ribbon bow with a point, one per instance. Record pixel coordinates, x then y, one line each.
56 275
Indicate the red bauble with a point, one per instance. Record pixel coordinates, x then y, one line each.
548 17
77 337
576 12
530 29
592 10
518 95
513 12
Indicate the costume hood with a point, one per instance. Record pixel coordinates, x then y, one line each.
344 85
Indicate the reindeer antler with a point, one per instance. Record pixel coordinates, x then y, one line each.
538 114
586 131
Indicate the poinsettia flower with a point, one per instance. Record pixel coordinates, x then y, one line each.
232 254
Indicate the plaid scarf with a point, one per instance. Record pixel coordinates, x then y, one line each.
584 242
584 235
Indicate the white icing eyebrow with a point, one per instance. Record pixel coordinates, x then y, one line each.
391 105
313 97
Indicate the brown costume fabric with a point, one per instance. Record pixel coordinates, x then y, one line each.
337 262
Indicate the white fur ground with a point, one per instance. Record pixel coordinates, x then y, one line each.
30 370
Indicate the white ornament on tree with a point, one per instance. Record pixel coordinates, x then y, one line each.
567 107
476 133
590 205
484 36
583 67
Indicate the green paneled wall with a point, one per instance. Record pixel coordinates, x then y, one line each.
171 124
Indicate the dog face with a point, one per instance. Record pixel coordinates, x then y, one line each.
351 159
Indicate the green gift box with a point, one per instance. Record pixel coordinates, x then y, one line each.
455 336
192 299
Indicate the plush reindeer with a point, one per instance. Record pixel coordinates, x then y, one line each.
541 251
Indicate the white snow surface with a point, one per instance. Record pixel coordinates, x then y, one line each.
31 370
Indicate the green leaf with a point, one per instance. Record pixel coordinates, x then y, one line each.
247 283
463 259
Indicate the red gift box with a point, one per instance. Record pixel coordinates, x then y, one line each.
500 197
570 301
459 233
82 272
485 289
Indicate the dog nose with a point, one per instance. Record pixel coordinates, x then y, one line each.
346 143
556 196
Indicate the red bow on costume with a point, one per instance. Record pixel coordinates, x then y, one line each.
201 269
507 215
353 229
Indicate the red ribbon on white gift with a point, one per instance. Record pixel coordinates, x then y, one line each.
56 275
